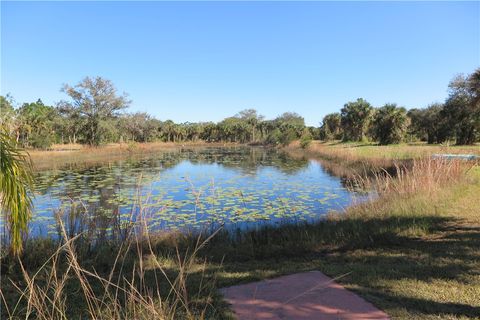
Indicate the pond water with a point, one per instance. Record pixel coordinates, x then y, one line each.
186 189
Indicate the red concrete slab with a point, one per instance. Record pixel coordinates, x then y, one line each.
307 295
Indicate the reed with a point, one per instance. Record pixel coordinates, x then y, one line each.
384 244
142 289
426 175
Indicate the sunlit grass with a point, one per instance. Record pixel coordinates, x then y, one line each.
382 155
413 251
61 155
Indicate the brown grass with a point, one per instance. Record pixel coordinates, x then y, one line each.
406 250
62 155
375 156
116 295
427 176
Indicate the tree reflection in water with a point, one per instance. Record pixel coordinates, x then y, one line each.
186 189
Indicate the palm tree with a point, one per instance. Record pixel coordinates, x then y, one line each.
15 182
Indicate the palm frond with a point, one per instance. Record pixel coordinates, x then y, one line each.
16 180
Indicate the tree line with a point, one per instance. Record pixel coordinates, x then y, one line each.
456 120
94 113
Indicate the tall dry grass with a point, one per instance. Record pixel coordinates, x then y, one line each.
123 293
408 192
137 294
64 155
426 175
345 155
376 156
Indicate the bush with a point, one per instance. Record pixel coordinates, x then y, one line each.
306 139
305 142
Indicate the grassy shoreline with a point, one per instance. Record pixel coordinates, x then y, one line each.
351 153
61 155
413 252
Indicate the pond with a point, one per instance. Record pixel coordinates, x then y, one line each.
185 189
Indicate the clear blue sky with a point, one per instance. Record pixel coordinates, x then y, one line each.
194 61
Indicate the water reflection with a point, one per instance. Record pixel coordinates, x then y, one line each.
185 189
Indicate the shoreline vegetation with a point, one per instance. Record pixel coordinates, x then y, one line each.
412 251
116 209
380 156
344 153
62 155
95 113
346 160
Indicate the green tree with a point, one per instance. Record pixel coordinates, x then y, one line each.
266 127
37 124
167 131
315 132
210 132
93 100
306 138
6 104
390 124
8 116
427 124
462 108
194 130
291 118
416 129
252 119
110 130
180 132
139 126
355 118
70 123
289 127
235 129
473 85
332 126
